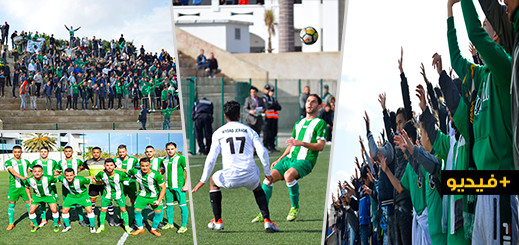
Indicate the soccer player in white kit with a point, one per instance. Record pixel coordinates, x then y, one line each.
236 142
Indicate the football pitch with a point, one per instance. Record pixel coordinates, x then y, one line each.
239 208
79 235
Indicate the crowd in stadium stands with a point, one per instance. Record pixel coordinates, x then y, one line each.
88 74
466 123
222 2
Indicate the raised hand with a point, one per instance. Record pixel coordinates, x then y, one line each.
366 120
437 63
401 60
420 93
423 73
382 161
472 49
382 100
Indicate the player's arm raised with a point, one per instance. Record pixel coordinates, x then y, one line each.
209 162
262 154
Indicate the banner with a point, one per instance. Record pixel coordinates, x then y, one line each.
34 46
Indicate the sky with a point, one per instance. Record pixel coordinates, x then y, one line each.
145 23
135 143
373 37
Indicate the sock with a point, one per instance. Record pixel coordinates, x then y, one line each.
261 200
79 211
93 206
138 219
267 190
216 204
170 210
125 219
293 189
43 211
55 217
157 219
10 212
102 217
111 210
92 219
185 214
66 219
32 217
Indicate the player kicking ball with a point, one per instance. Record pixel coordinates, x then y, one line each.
150 182
236 142
44 193
77 195
113 191
299 158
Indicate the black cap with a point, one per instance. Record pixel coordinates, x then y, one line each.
326 86
268 87
271 89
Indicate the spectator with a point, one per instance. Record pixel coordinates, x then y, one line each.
253 109
33 89
302 101
47 93
201 61
326 95
213 66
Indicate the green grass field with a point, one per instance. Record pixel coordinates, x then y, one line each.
78 235
239 208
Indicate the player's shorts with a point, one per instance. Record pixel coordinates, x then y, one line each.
39 200
54 190
303 167
95 190
175 194
130 190
105 202
82 199
64 192
142 202
15 193
250 181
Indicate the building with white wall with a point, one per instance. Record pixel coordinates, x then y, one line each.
325 16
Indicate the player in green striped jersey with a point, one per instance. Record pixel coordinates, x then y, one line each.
149 181
17 168
113 191
174 168
78 195
126 163
77 165
48 167
43 194
154 161
299 158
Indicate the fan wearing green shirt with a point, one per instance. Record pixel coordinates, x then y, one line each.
300 157
174 168
113 191
167 117
150 182
78 195
164 97
155 161
17 168
42 186
49 167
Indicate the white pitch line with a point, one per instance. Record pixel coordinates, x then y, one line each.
196 165
123 239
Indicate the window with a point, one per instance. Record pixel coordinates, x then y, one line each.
18 142
237 33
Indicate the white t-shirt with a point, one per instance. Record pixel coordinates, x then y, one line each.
236 141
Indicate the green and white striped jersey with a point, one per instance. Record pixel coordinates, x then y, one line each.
42 187
77 186
113 184
128 164
73 163
48 166
307 131
149 183
156 163
20 167
174 171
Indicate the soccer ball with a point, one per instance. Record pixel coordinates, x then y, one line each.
308 35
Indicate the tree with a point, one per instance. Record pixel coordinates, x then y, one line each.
269 22
286 26
39 140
